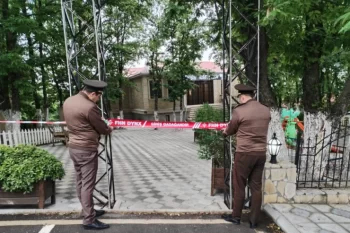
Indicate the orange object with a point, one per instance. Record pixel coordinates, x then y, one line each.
299 124
336 149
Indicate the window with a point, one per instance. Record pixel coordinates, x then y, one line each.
153 91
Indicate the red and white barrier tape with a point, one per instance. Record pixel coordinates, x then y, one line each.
140 124
35 122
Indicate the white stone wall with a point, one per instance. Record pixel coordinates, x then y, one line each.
279 185
324 196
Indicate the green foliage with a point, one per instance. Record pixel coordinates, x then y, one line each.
344 20
23 166
207 113
308 58
122 29
211 143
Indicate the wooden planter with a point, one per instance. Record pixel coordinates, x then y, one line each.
41 192
217 180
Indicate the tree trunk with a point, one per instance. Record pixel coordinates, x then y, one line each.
43 77
266 94
181 109
15 101
11 109
275 126
42 68
57 85
314 40
311 90
341 107
250 60
5 92
121 114
121 107
174 109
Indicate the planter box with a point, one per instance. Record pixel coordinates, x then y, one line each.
41 192
217 180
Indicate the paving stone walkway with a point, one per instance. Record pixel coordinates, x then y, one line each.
305 218
153 170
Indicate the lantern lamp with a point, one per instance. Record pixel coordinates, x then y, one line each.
274 146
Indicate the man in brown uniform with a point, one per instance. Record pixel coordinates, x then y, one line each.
249 122
85 125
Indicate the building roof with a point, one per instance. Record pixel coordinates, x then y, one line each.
210 66
135 72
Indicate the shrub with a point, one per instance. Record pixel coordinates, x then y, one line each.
211 142
23 166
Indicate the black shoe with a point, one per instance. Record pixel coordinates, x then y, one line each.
235 221
97 225
253 226
224 216
100 213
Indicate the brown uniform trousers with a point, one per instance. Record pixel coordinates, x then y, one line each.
85 165
248 166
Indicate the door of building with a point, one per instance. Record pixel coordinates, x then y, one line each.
202 93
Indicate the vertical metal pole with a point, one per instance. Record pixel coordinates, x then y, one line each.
63 8
97 25
258 58
97 40
230 95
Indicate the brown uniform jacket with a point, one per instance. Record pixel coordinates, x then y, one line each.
84 122
250 123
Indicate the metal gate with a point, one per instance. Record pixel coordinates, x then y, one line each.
323 161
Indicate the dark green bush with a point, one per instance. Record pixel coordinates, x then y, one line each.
211 142
23 166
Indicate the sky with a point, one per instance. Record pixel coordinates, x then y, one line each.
205 57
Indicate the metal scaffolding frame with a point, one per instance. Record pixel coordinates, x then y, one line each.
85 58
232 61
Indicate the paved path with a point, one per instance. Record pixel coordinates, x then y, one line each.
153 170
307 218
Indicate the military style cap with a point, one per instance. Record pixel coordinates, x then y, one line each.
95 84
245 89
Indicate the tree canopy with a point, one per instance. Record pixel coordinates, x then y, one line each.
304 50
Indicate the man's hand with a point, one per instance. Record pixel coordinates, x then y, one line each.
224 132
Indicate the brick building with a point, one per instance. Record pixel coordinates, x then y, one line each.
139 104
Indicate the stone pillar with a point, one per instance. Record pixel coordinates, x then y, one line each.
279 182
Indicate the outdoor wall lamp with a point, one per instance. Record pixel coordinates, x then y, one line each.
274 146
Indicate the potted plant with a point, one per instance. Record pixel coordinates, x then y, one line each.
27 175
211 144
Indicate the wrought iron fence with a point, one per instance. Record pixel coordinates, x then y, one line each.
323 161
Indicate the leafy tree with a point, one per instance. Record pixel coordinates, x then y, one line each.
182 30
307 47
122 29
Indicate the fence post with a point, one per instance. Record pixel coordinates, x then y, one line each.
10 134
15 138
297 151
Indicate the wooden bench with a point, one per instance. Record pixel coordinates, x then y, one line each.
59 133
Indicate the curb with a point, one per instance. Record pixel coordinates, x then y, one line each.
123 212
280 220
